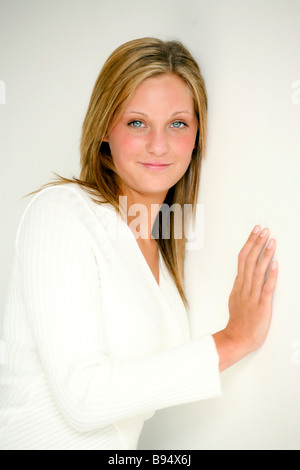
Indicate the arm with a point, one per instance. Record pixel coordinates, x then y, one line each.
250 302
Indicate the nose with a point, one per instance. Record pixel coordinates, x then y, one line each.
157 143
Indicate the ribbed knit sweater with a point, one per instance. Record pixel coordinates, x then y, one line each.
94 345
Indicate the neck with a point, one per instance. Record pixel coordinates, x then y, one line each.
140 211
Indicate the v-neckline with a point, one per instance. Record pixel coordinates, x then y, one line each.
158 260
142 257
161 288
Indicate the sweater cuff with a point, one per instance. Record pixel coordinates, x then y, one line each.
204 360
192 373
188 373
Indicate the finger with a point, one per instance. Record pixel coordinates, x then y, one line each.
269 285
261 268
246 249
252 258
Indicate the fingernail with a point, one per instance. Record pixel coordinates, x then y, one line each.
256 229
270 244
263 233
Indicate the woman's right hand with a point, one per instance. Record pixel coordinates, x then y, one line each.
250 301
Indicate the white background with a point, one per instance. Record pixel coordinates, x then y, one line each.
50 55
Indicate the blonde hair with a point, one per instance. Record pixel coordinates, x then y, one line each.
124 70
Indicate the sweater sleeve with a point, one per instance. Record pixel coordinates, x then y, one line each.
60 286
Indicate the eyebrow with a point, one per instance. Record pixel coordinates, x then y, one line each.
146 115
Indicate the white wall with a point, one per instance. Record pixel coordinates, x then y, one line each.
50 56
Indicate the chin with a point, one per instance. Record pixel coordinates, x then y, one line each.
158 185
154 191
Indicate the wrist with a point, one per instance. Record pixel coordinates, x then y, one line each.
230 350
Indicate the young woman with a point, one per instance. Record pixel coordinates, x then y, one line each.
96 326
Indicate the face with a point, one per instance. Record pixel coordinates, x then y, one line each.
152 142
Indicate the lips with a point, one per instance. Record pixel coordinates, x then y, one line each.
156 166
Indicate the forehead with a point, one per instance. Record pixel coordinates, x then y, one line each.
163 88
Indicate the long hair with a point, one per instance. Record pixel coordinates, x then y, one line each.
128 66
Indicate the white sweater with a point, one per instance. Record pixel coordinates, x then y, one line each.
93 344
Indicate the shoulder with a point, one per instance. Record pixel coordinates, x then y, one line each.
60 200
67 196
52 207
62 194
65 207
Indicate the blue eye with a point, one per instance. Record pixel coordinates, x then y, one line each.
178 124
136 124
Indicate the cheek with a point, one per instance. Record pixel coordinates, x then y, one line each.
185 146
124 148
